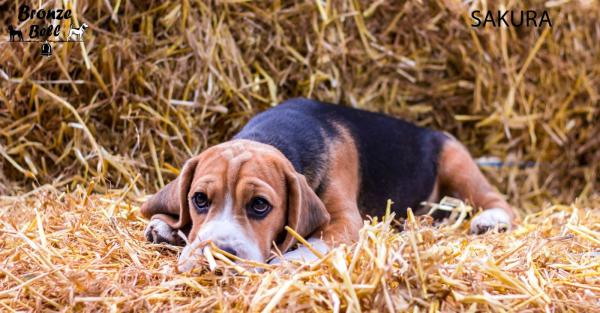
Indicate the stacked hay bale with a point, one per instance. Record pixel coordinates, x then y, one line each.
156 82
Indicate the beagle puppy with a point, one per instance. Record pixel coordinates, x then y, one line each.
320 169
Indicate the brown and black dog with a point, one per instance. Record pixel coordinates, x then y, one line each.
319 168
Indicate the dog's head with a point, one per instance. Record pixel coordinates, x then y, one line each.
239 195
11 28
84 26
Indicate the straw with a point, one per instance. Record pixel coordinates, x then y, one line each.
66 254
154 84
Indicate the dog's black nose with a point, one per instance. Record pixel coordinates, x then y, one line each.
228 249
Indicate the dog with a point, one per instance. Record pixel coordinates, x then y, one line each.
78 31
14 32
320 169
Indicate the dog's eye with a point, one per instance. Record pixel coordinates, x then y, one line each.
258 207
201 202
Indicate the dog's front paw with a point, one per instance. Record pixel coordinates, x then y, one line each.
158 231
490 219
304 254
190 257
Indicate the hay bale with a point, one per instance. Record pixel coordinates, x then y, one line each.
82 252
155 83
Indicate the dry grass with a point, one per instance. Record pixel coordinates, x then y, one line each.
71 251
158 81
100 124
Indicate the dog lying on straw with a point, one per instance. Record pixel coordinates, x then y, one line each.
319 169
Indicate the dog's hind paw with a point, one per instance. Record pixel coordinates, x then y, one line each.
490 219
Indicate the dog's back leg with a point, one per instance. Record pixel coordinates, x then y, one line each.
459 174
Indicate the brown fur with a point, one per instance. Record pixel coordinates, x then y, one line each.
242 169
172 199
458 173
340 196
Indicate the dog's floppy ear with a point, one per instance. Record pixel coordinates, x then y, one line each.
170 204
306 213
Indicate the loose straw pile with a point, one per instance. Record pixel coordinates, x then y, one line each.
70 251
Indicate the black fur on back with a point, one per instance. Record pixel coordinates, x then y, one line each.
398 160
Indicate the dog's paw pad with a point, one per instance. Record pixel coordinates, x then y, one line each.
158 231
490 219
